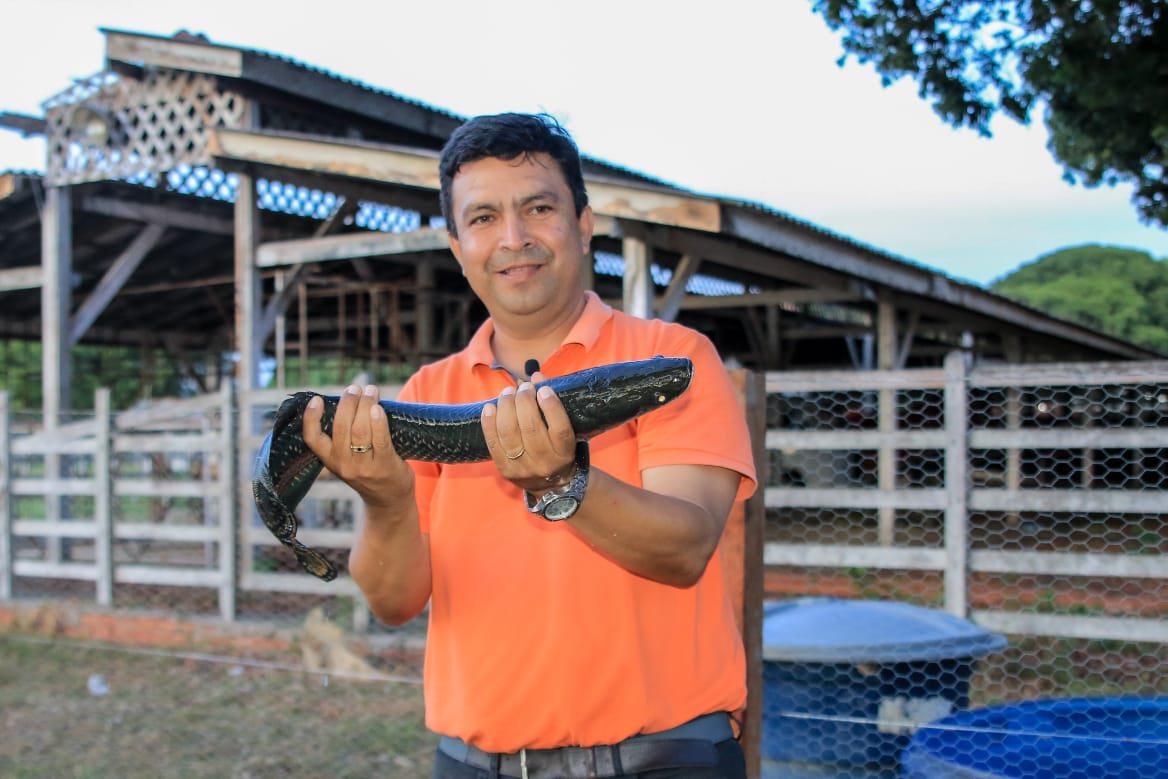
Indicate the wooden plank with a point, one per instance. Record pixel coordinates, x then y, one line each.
154 488
730 253
853 498
136 49
752 395
325 538
843 556
103 520
42 569
229 489
298 583
372 162
886 339
1121 566
190 410
821 440
28 277
1068 501
669 304
113 280
772 297
56 363
956 487
1069 373
149 531
174 576
841 381
645 205
48 486
186 217
53 442
1069 438
144 487
1073 626
412 168
125 443
637 284
52 528
332 248
248 285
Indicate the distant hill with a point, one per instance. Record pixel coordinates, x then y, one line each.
1122 292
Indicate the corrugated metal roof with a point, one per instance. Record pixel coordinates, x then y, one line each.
782 216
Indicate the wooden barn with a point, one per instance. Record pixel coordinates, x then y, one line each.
203 200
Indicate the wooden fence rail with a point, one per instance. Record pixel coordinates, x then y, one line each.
70 524
960 497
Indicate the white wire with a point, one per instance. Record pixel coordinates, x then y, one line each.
970 729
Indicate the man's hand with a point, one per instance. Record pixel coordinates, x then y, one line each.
530 437
360 451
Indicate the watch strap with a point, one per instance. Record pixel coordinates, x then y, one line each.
572 492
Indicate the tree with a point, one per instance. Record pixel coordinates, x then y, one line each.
1097 68
1123 292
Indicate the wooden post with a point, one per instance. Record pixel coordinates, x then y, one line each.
230 527
638 280
1012 346
742 556
248 308
302 331
6 555
56 300
281 334
424 347
886 458
103 498
956 486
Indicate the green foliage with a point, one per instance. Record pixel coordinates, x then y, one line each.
1098 67
1123 292
130 374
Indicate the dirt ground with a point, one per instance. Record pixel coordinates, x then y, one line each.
71 710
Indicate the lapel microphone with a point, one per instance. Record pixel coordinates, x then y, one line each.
530 367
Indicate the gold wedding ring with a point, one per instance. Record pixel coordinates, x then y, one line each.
516 456
360 449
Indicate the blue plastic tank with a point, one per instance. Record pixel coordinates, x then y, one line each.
847 682
1067 738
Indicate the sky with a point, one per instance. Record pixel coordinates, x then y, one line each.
736 98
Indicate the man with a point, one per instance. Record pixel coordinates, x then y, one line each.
596 640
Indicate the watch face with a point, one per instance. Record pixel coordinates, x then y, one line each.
561 508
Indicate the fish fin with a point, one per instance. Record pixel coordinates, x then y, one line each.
313 561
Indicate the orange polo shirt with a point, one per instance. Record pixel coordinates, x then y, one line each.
537 641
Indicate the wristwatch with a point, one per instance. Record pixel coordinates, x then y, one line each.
558 504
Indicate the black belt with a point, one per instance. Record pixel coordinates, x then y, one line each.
687 746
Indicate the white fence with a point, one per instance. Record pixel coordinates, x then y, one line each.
1011 479
1042 484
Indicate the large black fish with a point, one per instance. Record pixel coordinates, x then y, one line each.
596 400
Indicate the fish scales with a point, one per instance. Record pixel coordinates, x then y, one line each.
596 399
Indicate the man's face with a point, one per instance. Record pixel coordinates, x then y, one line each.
520 244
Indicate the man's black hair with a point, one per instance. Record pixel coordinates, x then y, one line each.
507 137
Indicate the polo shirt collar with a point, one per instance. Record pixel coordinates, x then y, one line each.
584 332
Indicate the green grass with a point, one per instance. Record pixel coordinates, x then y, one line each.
173 717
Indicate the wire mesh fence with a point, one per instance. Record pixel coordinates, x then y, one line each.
984 551
965 577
